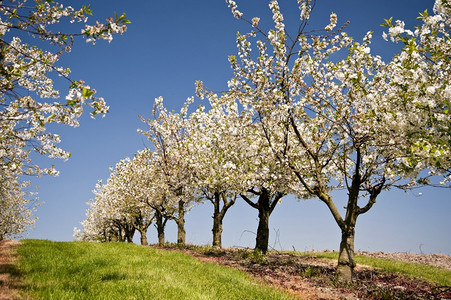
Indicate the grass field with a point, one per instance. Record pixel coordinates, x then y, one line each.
79 270
433 274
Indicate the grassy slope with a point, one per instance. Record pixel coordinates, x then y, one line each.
437 275
77 270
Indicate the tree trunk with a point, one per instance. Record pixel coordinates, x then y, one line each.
160 227
113 238
266 203
217 233
120 235
217 223
219 214
161 238
262 239
143 233
346 263
181 223
129 233
129 237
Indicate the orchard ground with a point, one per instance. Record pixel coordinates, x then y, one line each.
308 275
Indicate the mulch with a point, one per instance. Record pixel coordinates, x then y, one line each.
314 278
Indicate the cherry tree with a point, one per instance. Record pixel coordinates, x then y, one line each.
118 209
239 161
108 218
128 185
167 132
329 120
135 195
16 207
268 181
99 224
164 210
153 191
27 92
216 146
127 199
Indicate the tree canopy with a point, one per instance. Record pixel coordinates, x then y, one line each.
31 45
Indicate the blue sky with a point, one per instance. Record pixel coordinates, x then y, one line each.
168 46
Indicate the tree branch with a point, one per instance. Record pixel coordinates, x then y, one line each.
248 201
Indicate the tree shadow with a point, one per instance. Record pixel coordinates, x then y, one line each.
10 274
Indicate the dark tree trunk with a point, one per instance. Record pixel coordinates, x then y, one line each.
141 224
217 222
181 223
129 236
346 263
120 235
129 232
219 214
262 239
160 224
265 205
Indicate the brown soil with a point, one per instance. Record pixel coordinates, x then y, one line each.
437 260
314 278
9 276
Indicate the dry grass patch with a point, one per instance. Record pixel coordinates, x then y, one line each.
9 274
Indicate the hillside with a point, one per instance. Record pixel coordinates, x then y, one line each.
75 270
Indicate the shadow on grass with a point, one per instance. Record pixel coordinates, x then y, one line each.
10 274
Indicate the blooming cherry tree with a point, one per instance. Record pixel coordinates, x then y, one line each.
329 120
167 132
216 144
128 187
152 191
121 205
102 222
16 207
26 81
240 159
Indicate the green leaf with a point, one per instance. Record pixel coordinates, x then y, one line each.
423 15
87 92
387 22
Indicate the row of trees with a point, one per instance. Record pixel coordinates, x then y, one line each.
28 98
306 113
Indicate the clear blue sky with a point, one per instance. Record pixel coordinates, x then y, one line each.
168 46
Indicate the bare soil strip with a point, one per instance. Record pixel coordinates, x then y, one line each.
314 278
436 260
9 276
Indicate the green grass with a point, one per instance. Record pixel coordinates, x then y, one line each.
430 273
81 270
